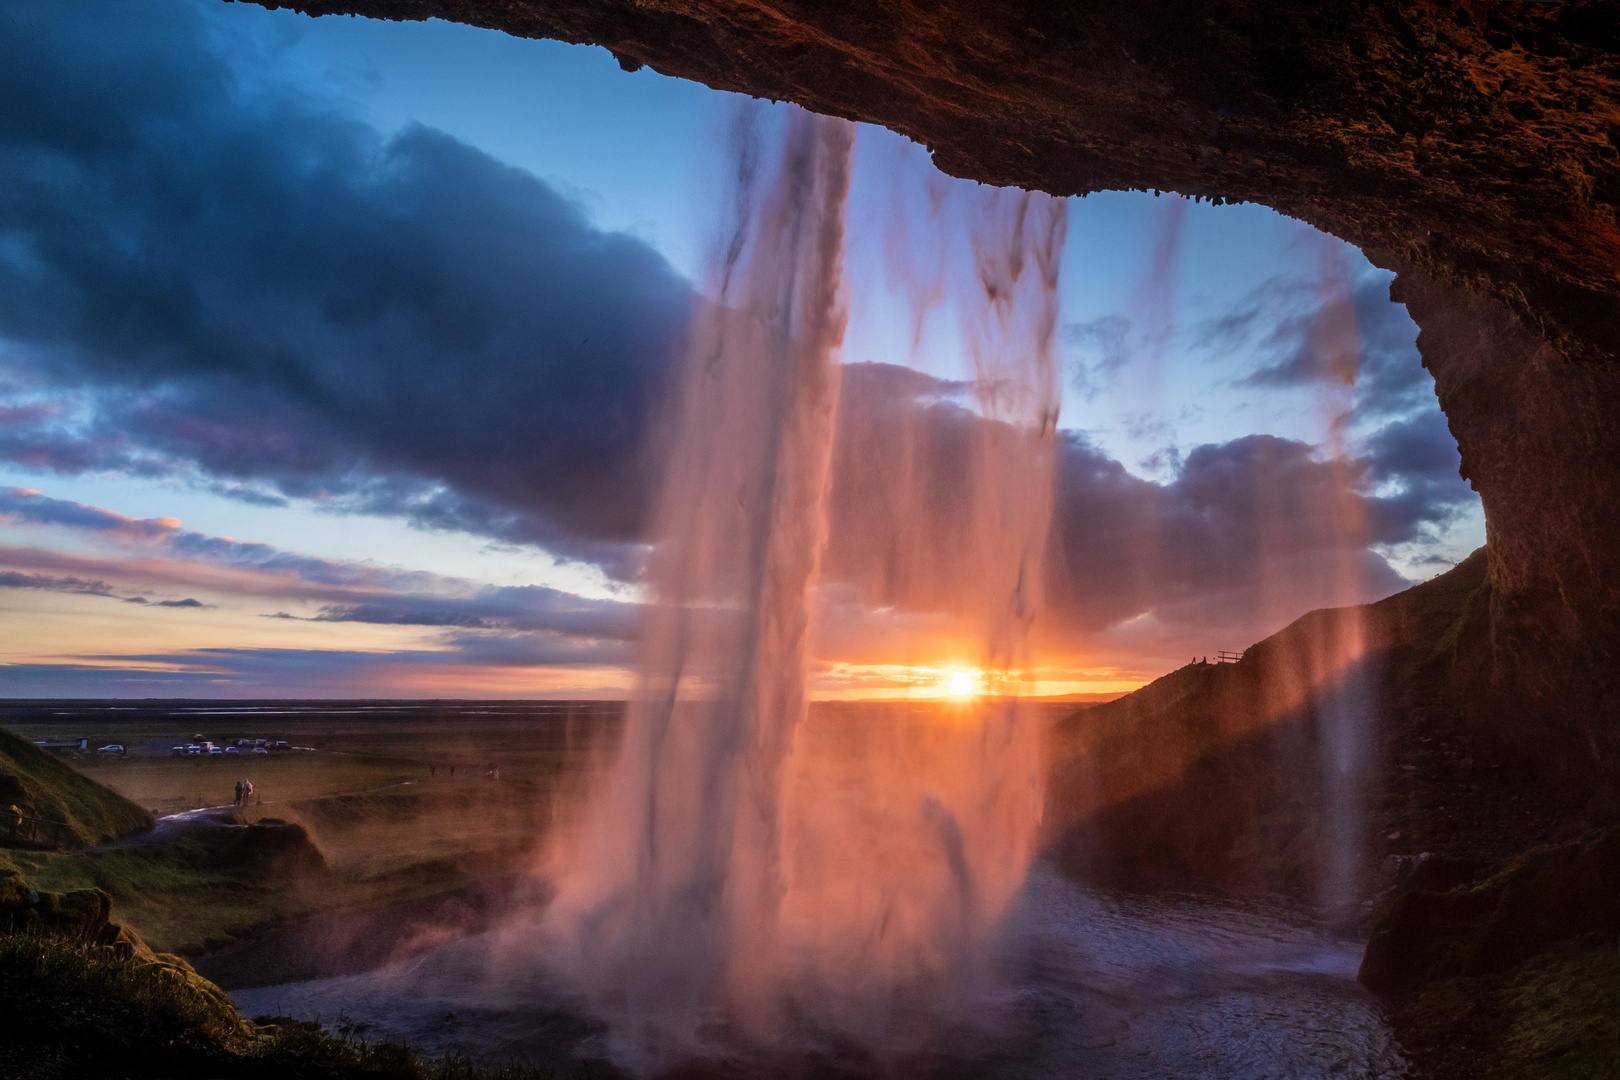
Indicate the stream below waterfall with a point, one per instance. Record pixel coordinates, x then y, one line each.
1089 985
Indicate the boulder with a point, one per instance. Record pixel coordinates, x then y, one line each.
1545 896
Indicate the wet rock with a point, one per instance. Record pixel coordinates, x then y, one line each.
1543 897
1428 872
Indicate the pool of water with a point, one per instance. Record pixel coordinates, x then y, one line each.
1087 985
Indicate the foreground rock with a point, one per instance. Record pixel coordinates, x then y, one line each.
1544 897
1516 975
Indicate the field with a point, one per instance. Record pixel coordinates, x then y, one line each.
400 802
390 806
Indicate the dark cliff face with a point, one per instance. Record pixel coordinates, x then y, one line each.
1472 145
1540 441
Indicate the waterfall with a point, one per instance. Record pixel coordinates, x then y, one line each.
740 872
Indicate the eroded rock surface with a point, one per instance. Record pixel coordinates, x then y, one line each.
1540 441
1543 897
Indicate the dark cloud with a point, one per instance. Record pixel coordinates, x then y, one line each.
1407 457
275 301
1255 518
26 505
188 602
514 607
12 579
1238 518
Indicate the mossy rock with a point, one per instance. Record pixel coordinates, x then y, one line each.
1545 896
79 915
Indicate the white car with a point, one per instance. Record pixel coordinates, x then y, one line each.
232 750
111 748
260 750
212 750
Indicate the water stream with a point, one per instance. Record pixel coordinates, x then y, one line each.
1085 984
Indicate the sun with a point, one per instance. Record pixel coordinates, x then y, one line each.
960 684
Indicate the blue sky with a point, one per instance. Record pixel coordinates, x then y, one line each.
213 383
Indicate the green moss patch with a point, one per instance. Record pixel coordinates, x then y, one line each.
81 1010
1554 1017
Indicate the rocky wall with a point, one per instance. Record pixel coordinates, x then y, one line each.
1539 653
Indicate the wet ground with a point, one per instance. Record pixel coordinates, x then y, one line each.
1090 986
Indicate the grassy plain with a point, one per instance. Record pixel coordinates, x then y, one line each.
401 801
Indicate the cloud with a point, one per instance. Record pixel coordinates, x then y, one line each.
513 607
188 602
1291 334
1254 529
29 506
250 290
532 620
1098 349
11 579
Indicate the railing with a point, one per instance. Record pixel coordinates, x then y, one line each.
20 830
1225 657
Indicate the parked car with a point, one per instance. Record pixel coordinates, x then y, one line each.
215 750
111 748
260 750
232 750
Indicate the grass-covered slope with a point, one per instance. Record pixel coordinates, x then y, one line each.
199 887
42 785
1212 775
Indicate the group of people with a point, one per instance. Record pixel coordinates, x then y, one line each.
244 791
491 772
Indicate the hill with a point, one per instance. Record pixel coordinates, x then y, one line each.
44 786
1234 776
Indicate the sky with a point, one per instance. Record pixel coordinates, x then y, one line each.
332 353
